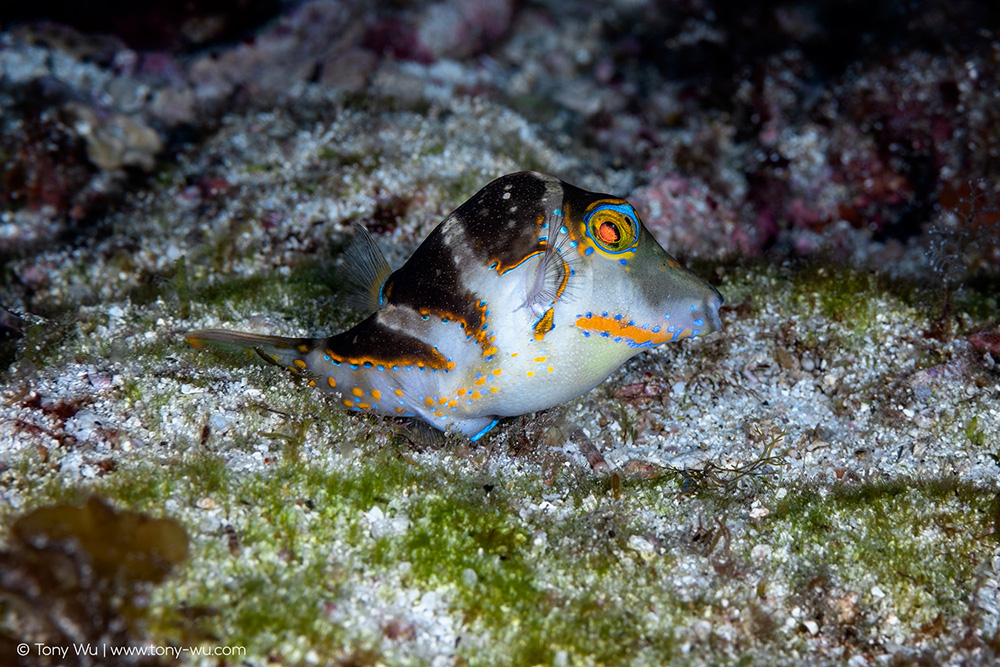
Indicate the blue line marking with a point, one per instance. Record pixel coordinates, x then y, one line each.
484 431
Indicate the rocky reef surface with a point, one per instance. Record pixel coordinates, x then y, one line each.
816 483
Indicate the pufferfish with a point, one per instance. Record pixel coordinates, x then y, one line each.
530 294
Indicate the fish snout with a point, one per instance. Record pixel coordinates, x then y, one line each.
711 309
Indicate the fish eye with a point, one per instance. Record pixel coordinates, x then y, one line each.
612 227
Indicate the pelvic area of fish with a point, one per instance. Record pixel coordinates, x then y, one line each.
528 295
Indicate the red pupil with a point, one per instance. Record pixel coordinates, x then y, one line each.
609 233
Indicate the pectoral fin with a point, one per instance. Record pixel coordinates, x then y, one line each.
547 282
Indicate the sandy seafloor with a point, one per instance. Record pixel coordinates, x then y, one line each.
817 483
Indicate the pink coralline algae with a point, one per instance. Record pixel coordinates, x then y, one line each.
686 219
986 342
452 29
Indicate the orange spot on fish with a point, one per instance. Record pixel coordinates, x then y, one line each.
622 329
544 325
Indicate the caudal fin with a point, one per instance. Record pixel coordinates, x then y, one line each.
285 352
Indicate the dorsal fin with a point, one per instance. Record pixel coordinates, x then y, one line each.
366 270
546 284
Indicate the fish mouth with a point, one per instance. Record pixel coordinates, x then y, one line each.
714 320
712 310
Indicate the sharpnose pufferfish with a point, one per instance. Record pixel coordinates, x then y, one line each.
528 295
